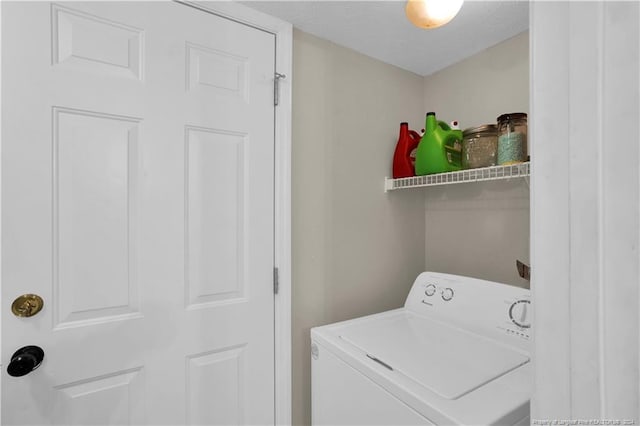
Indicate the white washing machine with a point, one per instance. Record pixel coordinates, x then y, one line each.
456 353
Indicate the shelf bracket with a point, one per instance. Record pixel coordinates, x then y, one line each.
388 184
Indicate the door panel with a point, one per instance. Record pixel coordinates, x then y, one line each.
138 202
112 399
94 217
215 391
80 40
215 256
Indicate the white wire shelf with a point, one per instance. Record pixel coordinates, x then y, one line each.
462 176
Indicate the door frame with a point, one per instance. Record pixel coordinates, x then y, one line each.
283 33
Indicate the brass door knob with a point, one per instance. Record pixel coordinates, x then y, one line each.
27 305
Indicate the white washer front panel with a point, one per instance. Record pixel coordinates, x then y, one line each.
344 396
449 361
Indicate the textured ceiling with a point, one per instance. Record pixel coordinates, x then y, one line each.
380 29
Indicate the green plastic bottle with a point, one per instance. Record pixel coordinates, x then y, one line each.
439 149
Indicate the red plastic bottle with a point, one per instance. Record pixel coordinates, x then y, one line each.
404 158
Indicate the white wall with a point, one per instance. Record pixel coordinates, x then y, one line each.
586 210
480 229
356 250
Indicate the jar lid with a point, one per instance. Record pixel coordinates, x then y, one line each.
512 116
486 128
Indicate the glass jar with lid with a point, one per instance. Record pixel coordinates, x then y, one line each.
512 138
479 146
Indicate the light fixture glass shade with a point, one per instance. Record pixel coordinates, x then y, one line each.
432 13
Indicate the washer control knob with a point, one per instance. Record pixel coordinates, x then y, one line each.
430 290
520 313
447 294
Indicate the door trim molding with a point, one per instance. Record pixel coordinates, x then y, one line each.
283 32
585 227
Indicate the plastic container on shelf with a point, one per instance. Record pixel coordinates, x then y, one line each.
404 157
479 146
512 138
440 148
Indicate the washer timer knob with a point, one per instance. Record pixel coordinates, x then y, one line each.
430 290
447 294
520 314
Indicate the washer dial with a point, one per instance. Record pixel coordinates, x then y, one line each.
430 290
447 294
520 313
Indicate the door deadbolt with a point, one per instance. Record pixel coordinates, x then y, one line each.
27 305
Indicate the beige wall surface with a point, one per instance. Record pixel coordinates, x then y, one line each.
356 250
480 229
477 90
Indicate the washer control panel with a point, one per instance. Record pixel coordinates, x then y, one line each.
497 309
432 289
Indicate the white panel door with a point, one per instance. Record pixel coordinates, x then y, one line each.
137 195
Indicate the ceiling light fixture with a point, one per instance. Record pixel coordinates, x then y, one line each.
429 14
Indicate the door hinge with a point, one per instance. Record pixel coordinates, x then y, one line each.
276 280
276 87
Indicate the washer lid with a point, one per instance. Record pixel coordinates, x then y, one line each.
446 360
